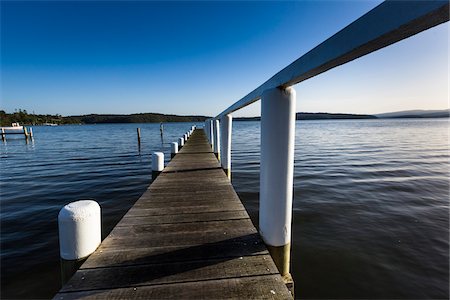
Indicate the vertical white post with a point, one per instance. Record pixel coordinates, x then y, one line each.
211 133
225 143
217 139
205 128
277 167
173 149
185 138
80 233
180 143
157 164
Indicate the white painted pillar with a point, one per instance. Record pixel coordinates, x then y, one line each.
80 233
225 143
217 139
180 143
277 167
157 164
211 133
185 138
173 149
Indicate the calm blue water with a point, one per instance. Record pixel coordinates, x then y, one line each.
371 207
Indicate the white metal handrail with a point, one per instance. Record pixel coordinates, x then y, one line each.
386 24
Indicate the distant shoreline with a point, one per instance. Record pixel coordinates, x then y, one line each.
25 118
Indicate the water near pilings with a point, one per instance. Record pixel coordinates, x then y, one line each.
370 210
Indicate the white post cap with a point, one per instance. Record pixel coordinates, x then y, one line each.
157 161
181 141
174 147
79 229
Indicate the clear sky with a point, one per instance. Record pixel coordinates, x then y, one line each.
200 57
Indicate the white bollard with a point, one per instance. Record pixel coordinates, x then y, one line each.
157 164
217 139
31 132
225 143
180 143
277 167
80 233
173 149
185 138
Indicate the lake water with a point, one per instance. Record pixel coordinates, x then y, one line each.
371 200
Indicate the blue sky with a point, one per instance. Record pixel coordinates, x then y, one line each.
200 57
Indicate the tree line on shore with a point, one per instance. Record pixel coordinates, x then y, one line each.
25 118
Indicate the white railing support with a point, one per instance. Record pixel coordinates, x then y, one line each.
216 145
225 143
277 168
211 133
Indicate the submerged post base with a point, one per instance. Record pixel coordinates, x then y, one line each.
281 256
289 282
228 173
155 174
69 267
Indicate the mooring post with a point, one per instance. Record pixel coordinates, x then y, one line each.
157 164
185 138
225 142
173 149
3 134
139 135
217 139
180 143
277 168
31 132
25 132
80 233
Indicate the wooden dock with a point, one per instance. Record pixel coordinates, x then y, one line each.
187 237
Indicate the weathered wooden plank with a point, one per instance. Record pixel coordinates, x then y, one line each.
217 207
234 247
173 238
255 287
184 218
151 274
198 226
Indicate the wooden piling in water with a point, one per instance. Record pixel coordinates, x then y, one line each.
139 135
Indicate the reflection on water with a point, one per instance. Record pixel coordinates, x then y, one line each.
370 208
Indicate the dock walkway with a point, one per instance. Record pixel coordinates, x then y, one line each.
187 237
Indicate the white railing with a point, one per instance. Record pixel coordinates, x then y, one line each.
386 24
